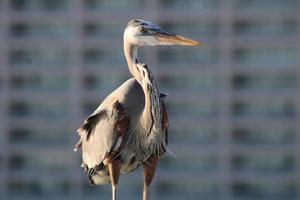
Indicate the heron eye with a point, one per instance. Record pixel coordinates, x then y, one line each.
142 29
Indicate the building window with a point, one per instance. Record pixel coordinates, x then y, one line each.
36 30
195 162
91 29
188 189
238 109
266 4
39 4
53 4
91 82
180 56
264 135
194 109
244 189
194 28
271 82
265 190
92 56
20 82
41 57
112 4
264 163
96 29
19 30
19 135
195 136
16 162
48 109
190 4
269 56
240 81
266 28
19 109
23 187
269 108
19 4
20 57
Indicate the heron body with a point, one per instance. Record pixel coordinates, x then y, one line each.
130 127
135 148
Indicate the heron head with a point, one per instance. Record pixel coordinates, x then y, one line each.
145 33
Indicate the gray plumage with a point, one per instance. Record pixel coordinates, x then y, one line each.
97 133
130 127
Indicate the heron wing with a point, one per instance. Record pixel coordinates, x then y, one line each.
100 134
89 126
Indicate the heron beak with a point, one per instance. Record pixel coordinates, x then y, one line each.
172 39
167 38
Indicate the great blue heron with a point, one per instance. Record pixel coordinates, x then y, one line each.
130 126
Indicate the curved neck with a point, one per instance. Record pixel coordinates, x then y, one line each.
130 52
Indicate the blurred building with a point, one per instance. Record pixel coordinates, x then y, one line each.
234 102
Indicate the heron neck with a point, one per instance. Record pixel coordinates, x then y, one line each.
130 52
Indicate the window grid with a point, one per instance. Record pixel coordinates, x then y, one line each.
235 69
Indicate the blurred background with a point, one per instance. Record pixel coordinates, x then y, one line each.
233 103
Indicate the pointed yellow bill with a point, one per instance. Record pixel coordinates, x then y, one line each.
175 40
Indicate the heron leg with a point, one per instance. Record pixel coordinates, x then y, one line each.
149 172
114 172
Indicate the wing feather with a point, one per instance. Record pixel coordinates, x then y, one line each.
100 134
90 123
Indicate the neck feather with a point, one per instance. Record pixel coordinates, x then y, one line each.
150 123
152 109
130 52
147 83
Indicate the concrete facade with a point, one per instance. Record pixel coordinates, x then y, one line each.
233 102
